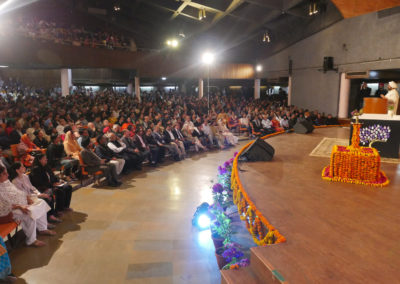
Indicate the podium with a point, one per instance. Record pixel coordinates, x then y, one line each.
375 105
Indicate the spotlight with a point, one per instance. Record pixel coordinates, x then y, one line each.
200 15
207 58
173 43
258 68
3 66
117 8
163 78
204 13
266 37
201 219
313 7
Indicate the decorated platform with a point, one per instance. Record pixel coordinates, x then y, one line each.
333 232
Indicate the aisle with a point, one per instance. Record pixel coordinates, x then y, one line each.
139 233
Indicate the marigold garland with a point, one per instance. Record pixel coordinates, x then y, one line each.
262 231
355 164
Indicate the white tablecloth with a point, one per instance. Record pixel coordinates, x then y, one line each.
378 116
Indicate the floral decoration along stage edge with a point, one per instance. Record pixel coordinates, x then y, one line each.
262 231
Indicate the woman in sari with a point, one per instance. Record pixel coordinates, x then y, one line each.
5 264
71 146
25 148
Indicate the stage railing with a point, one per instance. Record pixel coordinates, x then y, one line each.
257 224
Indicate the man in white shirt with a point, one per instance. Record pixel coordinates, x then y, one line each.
393 98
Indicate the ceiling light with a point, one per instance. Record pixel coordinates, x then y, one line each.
3 66
313 7
266 37
117 8
208 58
200 15
204 13
163 78
172 42
259 68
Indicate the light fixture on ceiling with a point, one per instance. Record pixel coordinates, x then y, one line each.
3 66
181 33
208 58
204 13
266 37
173 42
313 7
163 78
200 15
117 8
259 68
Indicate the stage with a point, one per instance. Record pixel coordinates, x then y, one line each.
335 232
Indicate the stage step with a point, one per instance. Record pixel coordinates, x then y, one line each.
262 268
242 275
260 271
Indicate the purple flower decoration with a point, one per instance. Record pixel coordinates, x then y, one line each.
374 133
221 170
244 262
235 154
227 164
218 188
230 253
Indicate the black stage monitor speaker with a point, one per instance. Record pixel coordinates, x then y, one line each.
303 127
258 151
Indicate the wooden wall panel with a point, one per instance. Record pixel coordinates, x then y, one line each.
22 52
353 8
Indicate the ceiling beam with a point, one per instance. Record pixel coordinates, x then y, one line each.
180 9
171 10
232 7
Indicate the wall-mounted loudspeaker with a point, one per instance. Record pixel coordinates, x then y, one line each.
328 63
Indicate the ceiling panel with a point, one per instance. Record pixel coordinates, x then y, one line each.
355 8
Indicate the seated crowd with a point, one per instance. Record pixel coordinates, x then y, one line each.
112 134
67 34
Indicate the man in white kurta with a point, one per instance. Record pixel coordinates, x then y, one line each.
31 216
393 97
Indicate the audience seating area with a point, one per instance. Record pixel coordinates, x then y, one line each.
120 127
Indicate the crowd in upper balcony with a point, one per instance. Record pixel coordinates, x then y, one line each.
41 29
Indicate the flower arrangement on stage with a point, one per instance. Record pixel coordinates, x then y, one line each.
374 133
234 257
355 164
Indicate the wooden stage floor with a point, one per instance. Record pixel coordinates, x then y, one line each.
336 232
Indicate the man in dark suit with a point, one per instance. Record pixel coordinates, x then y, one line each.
365 92
158 153
104 152
178 134
170 138
140 142
198 132
162 143
131 146
95 163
